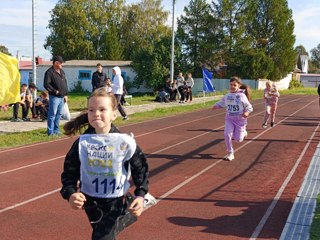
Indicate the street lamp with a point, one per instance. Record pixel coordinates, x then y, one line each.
34 68
172 43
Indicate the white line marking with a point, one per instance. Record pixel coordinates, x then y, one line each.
36 144
63 156
31 165
168 192
30 145
30 200
267 214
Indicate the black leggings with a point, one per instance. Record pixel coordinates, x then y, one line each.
113 214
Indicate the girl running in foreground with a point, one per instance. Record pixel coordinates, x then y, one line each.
103 159
238 108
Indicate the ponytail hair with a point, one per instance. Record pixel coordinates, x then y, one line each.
243 86
77 124
81 122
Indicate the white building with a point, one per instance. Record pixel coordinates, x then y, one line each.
80 71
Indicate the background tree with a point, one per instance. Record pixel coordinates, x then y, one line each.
300 50
4 50
152 65
255 37
315 60
143 25
233 17
193 35
82 29
272 31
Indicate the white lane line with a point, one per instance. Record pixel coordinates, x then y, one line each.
164 195
30 200
31 165
63 156
30 145
275 200
199 119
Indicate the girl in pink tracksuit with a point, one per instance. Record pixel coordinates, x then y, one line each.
238 108
271 95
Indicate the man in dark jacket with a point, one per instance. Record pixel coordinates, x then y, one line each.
98 78
55 83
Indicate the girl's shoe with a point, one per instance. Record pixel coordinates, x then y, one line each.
229 157
264 125
271 124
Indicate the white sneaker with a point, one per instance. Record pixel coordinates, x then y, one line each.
229 157
245 134
149 200
264 125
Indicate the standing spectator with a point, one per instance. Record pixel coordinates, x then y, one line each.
98 78
117 89
23 94
238 108
109 85
181 84
271 96
318 90
189 83
55 83
123 101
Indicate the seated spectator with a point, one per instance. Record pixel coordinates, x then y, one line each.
4 108
163 96
23 95
42 105
30 99
169 88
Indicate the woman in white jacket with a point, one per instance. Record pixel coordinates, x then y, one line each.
117 89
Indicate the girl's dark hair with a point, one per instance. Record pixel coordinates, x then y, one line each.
81 121
245 87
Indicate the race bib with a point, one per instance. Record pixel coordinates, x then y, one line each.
102 157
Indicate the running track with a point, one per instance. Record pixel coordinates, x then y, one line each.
200 195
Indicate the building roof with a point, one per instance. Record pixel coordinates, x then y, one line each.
25 65
93 63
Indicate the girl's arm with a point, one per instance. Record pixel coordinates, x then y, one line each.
220 104
140 172
247 106
71 172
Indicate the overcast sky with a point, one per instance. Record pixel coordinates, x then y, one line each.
16 23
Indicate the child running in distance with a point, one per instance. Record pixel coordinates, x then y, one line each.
238 109
102 160
271 96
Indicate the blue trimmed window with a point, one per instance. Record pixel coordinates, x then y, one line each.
84 75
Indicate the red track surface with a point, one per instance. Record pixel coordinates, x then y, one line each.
201 196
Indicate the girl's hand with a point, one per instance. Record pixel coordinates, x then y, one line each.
77 200
245 114
136 207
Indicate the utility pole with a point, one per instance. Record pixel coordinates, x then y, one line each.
34 66
172 43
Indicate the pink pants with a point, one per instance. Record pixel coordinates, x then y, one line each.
270 113
235 128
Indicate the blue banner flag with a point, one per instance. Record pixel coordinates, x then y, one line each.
207 80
